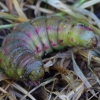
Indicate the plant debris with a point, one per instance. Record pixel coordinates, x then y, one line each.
70 74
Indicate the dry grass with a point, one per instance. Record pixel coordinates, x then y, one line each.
72 76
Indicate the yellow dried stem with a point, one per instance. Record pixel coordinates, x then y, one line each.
18 9
12 17
85 54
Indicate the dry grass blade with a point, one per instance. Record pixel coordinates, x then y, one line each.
72 94
12 93
42 84
85 54
37 11
3 76
79 92
40 9
12 17
89 3
2 96
89 57
19 95
11 97
3 6
78 88
18 9
6 26
80 74
65 8
71 82
3 91
59 94
89 65
9 5
89 14
18 87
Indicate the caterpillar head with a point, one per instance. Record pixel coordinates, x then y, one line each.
36 74
35 71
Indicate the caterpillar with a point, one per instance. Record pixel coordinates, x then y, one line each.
22 49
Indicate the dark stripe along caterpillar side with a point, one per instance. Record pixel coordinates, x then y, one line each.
22 49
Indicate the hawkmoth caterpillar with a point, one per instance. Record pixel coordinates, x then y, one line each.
22 49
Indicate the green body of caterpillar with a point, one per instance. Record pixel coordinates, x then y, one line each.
23 48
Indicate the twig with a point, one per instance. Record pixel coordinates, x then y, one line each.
12 17
42 84
40 9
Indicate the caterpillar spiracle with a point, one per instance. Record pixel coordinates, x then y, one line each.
23 48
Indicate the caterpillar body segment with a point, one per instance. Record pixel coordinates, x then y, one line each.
40 26
22 50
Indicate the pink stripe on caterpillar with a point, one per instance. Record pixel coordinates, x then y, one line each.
45 46
85 27
37 30
48 28
38 49
59 29
52 43
5 50
28 34
6 40
61 41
